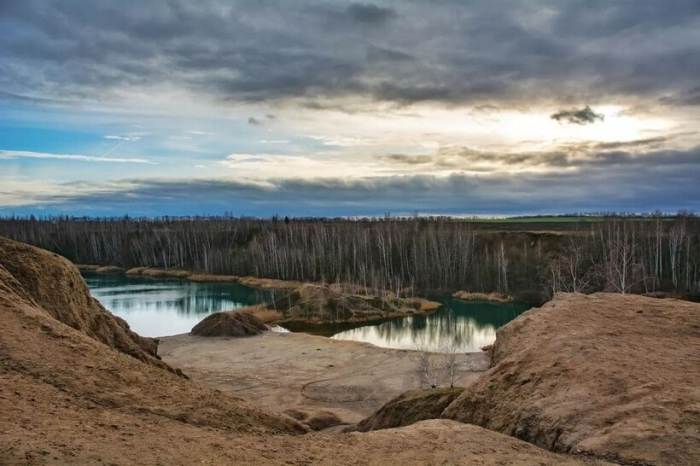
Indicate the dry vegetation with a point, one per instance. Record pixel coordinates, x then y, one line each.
311 303
262 312
494 297
408 408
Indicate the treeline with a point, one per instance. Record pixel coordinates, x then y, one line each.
410 255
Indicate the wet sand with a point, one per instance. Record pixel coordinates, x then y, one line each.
281 371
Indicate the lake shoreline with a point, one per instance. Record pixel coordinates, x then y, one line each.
166 306
425 307
182 274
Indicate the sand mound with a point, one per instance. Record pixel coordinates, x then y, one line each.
409 408
229 324
54 285
611 375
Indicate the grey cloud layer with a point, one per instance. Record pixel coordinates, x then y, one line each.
454 52
625 155
605 183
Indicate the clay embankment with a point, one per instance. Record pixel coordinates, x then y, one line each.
606 375
51 283
182 274
100 268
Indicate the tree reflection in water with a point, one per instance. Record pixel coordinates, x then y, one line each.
157 307
469 324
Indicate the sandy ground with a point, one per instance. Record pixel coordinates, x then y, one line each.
74 390
281 371
611 375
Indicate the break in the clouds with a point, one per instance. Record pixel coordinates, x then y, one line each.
329 97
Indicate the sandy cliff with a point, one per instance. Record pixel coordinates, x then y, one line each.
610 375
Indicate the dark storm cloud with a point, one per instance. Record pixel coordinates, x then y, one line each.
379 54
253 121
370 14
439 51
582 116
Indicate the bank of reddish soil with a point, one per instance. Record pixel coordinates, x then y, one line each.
609 375
76 387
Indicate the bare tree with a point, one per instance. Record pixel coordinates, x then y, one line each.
619 267
569 270
450 353
429 366
676 237
438 368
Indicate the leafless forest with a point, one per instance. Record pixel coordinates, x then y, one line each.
412 255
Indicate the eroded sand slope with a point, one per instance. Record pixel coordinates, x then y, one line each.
51 283
612 375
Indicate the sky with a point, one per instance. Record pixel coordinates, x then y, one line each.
330 108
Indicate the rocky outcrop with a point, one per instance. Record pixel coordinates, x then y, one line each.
609 375
229 324
409 408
